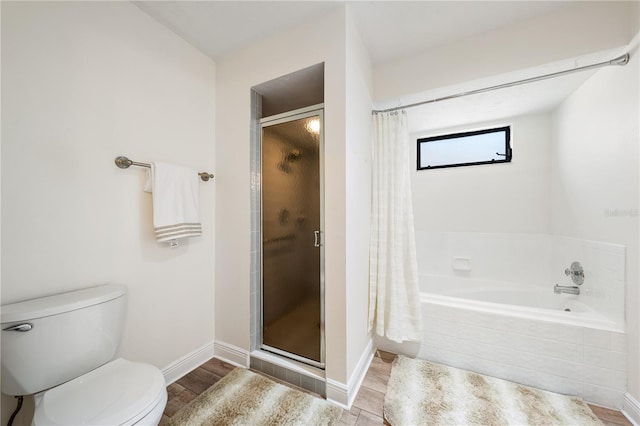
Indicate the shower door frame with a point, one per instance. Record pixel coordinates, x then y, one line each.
310 111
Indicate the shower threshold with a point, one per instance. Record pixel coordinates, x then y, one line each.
293 357
289 370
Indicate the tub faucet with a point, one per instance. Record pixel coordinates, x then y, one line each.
571 289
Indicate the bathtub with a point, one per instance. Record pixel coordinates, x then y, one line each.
515 300
522 334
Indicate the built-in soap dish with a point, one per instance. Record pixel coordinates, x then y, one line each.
461 264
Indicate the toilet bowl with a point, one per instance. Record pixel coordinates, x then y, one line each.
120 392
62 348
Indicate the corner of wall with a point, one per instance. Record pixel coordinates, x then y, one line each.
187 363
344 394
231 354
631 409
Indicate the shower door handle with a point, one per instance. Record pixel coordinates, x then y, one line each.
316 239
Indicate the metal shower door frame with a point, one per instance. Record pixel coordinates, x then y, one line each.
310 111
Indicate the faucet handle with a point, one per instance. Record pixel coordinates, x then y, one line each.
576 272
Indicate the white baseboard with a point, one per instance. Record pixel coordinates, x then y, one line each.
187 363
631 409
344 395
231 354
355 381
338 393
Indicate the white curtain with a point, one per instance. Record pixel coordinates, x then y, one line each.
394 296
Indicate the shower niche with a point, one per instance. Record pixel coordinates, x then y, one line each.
287 287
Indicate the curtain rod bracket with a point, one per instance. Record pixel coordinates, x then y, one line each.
620 60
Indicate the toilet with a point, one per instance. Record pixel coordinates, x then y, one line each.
62 349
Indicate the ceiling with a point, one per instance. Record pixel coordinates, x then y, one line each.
390 29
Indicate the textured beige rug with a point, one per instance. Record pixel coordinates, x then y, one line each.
425 393
246 398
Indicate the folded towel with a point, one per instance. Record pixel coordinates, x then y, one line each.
175 201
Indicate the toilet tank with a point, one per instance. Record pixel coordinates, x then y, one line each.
64 336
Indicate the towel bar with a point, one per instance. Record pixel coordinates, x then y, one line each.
124 163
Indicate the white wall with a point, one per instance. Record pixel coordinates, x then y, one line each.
358 193
506 197
292 50
578 29
82 83
334 41
594 183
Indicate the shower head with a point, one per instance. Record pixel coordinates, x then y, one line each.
293 155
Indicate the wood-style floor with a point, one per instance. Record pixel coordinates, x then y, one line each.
366 410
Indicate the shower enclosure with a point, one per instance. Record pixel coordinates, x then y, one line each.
292 290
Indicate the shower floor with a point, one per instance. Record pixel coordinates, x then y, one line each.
297 331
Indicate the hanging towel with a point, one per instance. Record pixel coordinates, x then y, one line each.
175 201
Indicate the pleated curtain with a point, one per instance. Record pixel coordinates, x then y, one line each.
394 296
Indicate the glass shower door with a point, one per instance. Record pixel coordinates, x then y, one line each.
292 291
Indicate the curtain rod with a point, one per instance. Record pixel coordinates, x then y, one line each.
620 60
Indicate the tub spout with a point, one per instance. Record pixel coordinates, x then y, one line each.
571 289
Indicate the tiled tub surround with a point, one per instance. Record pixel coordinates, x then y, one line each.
582 354
562 358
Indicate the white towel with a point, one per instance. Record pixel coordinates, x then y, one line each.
175 201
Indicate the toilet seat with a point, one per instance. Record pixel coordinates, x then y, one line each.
120 392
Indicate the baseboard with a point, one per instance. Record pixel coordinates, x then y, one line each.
231 354
338 393
357 377
631 409
344 395
187 363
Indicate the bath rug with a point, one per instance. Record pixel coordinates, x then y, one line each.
246 398
425 393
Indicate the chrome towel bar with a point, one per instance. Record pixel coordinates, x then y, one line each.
124 163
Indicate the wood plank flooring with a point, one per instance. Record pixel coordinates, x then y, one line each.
366 409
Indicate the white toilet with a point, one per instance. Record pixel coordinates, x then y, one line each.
61 348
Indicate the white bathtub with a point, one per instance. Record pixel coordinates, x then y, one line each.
517 300
524 335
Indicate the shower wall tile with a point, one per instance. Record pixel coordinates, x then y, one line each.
605 359
255 363
280 372
268 368
293 378
618 342
297 379
255 155
308 383
597 339
603 396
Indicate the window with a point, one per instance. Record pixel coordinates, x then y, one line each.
488 146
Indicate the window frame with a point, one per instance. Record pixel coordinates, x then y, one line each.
507 156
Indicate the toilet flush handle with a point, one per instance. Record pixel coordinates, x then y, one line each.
19 327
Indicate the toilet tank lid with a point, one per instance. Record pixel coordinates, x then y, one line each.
59 303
